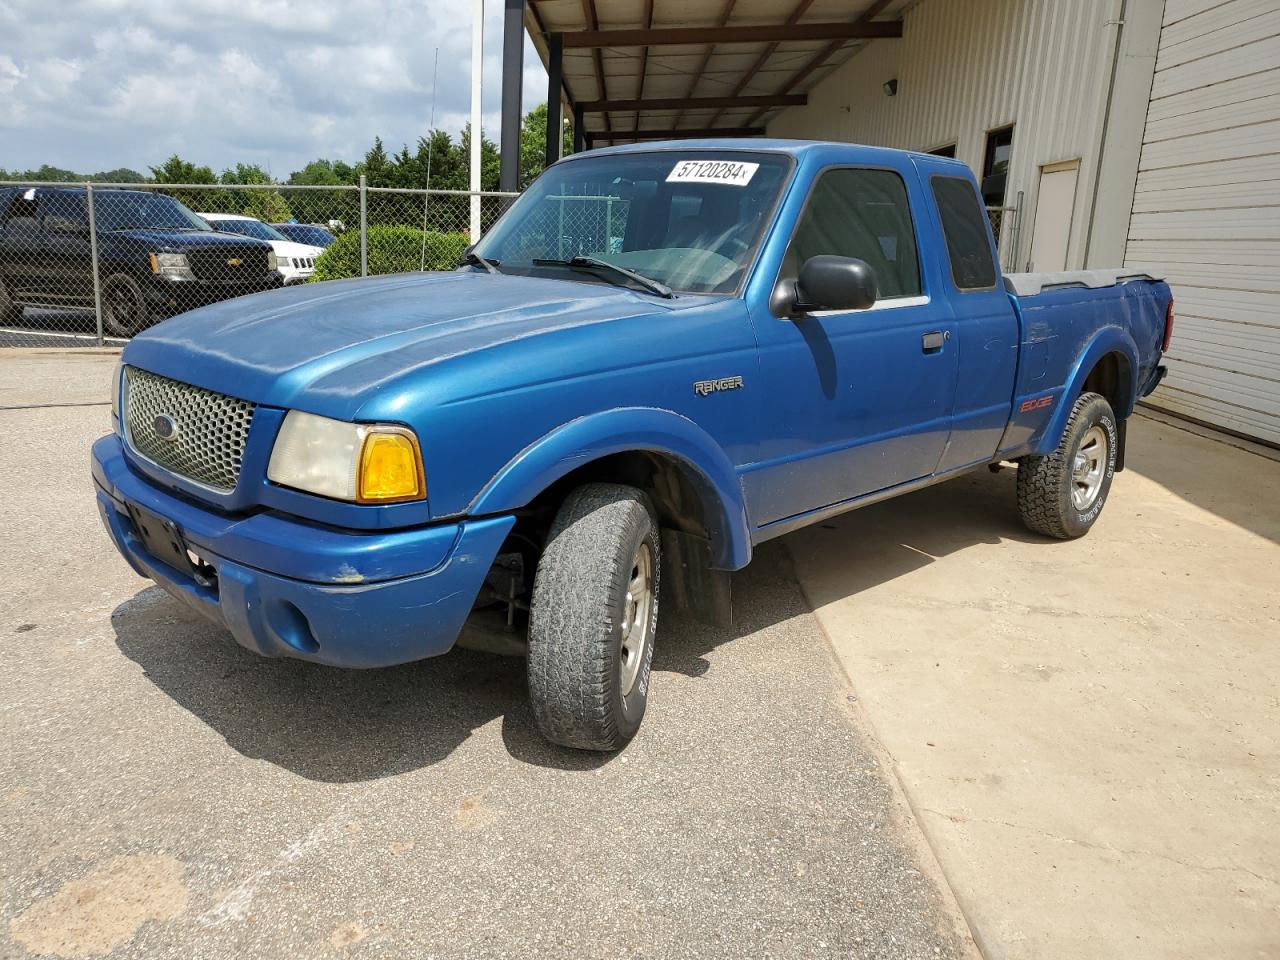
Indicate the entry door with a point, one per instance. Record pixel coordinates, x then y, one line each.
859 400
1055 204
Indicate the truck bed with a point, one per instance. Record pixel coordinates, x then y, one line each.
1030 284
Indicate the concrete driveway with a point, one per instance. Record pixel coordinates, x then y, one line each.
164 793
1088 731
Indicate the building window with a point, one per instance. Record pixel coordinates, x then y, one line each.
995 166
948 151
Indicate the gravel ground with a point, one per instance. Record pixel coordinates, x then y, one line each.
165 793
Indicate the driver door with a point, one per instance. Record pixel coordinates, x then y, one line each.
859 400
66 249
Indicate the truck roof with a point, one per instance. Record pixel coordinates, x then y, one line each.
796 148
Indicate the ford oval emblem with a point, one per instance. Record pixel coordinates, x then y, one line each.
165 427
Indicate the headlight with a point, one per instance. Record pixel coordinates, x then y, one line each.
272 262
174 266
361 462
116 377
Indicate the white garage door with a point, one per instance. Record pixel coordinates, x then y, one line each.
1207 210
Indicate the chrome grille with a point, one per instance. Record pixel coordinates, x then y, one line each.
208 446
215 263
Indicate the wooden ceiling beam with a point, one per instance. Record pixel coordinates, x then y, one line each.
797 12
755 33
589 17
696 103
644 61
596 136
825 54
725 13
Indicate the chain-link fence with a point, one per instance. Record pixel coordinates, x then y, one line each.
1005 224
94 263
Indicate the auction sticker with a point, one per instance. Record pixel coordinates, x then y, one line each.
731 172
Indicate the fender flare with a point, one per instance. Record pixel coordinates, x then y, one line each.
1105 341
627 430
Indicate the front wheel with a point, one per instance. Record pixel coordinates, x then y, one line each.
1061 495
593 618
124 307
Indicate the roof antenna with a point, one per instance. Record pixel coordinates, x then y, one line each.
431 141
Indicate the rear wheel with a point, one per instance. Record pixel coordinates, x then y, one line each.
593 618
124 307
1061 495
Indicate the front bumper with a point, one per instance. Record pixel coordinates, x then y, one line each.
285 588
176 296
294 275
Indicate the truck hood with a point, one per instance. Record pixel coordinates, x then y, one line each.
187 239
289 248
325 347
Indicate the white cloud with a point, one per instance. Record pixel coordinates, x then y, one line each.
12 109
96 84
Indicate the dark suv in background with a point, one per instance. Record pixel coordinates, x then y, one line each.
155 257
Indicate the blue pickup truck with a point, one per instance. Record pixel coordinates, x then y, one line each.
659 357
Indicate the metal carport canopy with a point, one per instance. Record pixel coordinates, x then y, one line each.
632 70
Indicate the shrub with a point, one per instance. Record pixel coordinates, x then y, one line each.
395 249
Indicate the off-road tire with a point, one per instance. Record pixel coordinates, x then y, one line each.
10 312
1045 483
115 321
576 619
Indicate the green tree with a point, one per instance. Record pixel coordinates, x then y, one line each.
377 166
391 249
46 172
447 163
267 205
176 170
118 175
533 143
322 206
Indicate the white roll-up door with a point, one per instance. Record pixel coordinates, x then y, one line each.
1206 212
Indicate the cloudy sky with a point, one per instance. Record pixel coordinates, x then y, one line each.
97 84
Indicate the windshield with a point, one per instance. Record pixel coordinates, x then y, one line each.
248 228
134 210
690 219
303 233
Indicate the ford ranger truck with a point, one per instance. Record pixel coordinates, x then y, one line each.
659 357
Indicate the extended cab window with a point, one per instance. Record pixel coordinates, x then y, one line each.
863 214
964 225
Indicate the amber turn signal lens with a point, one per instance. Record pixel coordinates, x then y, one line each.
390 468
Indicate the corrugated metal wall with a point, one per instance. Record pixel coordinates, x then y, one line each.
1207 209
965 68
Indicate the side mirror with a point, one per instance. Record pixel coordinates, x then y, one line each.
835 283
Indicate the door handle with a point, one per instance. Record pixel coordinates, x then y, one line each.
932 342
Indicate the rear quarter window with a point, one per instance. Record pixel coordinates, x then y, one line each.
964 227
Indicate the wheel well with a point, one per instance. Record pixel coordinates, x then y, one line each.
668 482
1110 377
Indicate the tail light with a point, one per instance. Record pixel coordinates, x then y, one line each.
1168 327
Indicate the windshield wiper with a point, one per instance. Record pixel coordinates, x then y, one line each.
584 262
473 259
